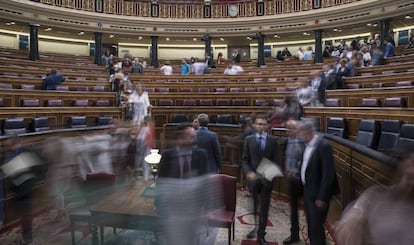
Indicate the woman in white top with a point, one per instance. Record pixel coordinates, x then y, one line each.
141 103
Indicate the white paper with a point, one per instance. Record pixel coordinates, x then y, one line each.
268 169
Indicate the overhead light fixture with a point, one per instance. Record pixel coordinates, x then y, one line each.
12 23
194 39
276 36
408 17
221 39
375 24
48 29
81 33
111 36
306 34
249 38
369 24
167 38
335 29
139 38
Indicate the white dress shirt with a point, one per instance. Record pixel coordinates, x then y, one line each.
310 147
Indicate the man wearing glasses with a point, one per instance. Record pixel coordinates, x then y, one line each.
256 147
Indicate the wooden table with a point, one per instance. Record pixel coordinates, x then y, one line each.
125 208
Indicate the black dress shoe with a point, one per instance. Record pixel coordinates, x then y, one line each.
251 234
291 239
262 241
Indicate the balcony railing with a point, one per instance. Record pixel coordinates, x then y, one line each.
193 10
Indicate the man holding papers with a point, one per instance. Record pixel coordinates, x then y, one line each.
259 165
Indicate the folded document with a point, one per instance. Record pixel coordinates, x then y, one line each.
268 169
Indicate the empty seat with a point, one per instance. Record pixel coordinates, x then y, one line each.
5 86
282 89
223 102
244 80
370 102
239 102
77 122
272 79
186 90
179 118
258 80
223 80
82 102
188 80
352 86
209 80
336 126
377 85
250 90
30 102
163 90
261 102
189 102
102 103
263 89
40 124
27 87
278 102
172 80
235 90
220 90
165 102
332 102
390 132
82 88
103 120
98 88
54 103
1 102
62 88
206 102
368 133
224 119
150 90
406 139
395 102
203 90
403 83
13 126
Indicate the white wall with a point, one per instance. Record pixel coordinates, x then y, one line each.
179 52
64 47
134 51
9 41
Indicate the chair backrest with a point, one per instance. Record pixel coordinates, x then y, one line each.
82 102
221 90
102 103
228 188
223 102
6 86
406 136
186 90
98 88
1 102
27 87
278 102
163 90
250 90
62 88
389 135
333 102
403 83
82 88
203 90
353 86
239 102
206 102
13 126
30 102
336 126
189 102
368 133
165 102
180 118
54 103
103 120
224 119
261 102
77 122
370 102
40 124
235 90
395 102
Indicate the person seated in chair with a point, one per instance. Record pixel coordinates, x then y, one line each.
52 79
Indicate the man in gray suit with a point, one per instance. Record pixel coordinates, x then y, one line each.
209 141
256 147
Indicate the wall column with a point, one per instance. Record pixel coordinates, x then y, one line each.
34 42
385 30
154 51
260 49
318 46
207 42
98 48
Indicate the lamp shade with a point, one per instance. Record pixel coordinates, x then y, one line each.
154 157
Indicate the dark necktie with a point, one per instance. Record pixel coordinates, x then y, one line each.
186 168
260 143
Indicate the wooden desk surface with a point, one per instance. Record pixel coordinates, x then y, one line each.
127 200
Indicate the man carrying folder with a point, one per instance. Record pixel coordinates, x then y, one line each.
259 149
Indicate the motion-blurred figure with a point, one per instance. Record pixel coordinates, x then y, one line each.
382 215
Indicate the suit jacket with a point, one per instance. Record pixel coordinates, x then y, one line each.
169 166
209 141
50 82
320 175
252 155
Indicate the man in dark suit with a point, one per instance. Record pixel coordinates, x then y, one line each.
256 147
319 181
209 141
180 188
52 79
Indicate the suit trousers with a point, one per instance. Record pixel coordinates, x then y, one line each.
315 217
262 191
295 191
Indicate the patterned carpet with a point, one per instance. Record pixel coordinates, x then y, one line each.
49 232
